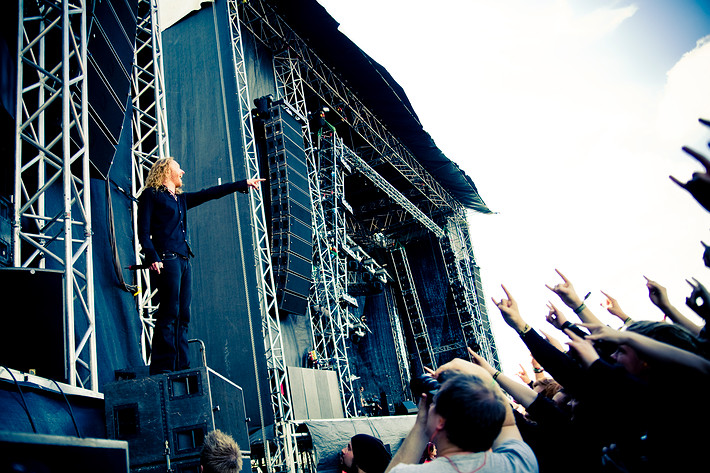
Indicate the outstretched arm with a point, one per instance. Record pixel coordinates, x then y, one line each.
659 297
561 367
522 393
565 291
651 348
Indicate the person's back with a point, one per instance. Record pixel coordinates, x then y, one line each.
472 424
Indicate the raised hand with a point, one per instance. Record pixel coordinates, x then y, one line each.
555 317
523 375
657 294
584 348
699 299
699 184
553 341
566 292
509 310
612 305
480 361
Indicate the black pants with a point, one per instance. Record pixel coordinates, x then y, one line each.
170 350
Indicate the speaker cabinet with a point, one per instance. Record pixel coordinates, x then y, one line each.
172 413
36 325
405 408
112 32
291 211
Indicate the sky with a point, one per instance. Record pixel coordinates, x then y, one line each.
569 115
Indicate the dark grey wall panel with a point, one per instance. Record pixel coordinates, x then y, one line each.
205 137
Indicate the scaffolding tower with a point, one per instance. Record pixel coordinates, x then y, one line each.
472 274
149 125
464 292
413 309
52 202
284 458
331 327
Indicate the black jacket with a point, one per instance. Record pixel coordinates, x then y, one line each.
162 218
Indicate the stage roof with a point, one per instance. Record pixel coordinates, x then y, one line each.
379 92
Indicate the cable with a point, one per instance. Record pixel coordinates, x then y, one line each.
24 403
112 239
71 412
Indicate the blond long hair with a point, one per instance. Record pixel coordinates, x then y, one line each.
158 173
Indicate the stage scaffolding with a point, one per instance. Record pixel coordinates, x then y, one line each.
268 27
330 304
297 66
53 155
284 458
52 202
464 287
150 142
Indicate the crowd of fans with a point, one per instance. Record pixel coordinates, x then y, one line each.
627 400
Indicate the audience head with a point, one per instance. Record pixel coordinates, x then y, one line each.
548 387
469 411
671 334
220 454
365 453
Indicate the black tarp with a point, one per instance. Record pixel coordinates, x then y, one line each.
331 435
206 139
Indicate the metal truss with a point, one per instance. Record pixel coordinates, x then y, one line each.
413 308
381 145
52 202
284 458
331 324
464 281
400 346
328 317
472 274
359 164
367 270
150 142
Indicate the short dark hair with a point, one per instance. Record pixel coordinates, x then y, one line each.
220 454
472 410
671 334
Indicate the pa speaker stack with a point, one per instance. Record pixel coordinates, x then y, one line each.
165 418
111 38
291 214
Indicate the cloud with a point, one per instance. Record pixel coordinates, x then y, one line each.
685 98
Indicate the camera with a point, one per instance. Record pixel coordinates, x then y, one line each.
425 384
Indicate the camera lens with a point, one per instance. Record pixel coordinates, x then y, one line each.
424 384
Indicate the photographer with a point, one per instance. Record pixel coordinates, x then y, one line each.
467 417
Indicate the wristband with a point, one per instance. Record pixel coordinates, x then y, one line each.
538 370
495 375
567 325
525 330
580 308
